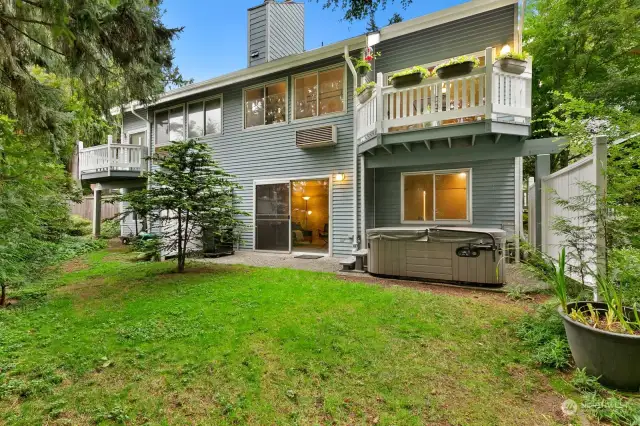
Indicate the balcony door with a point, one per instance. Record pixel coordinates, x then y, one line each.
272 216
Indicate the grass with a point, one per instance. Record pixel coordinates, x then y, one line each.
123 342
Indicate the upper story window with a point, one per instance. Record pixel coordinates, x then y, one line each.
169 125
438 196
319 93
265 104
204 117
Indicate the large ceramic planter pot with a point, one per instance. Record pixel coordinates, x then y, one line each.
455 70
513 66
365 95
407 80
611 356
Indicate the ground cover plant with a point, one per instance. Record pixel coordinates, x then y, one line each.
120 341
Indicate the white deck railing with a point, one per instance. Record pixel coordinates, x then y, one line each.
486 93
112 157
367 116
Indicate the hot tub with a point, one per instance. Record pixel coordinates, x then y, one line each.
467 255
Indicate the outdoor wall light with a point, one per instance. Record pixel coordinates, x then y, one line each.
505 49
339 177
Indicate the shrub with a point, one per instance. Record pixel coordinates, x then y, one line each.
613 409
79 226
584 382
110 228
543 334
625 271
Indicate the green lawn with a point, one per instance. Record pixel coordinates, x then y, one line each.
134 343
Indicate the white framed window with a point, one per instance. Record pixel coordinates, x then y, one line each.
137 137
204 117
169 125
265 104
442 196
320 92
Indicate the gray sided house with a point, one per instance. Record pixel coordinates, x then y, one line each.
319 166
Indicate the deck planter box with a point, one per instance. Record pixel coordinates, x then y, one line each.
513 66
611 356
365 95
455 70
407 80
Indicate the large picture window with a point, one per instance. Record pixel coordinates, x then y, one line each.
169 126
205 118
319 93
265 104
436 196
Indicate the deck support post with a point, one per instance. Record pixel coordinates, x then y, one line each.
543 169
97 210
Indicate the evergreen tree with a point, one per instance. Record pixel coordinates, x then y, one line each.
114 51
188 195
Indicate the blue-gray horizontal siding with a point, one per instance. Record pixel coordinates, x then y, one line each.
286 29
257 35
270 152
492 186
467 35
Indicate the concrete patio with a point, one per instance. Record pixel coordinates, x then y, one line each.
517 277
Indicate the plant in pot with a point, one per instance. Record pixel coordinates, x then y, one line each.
513 62
365 91
604 337
409 77
456 67
363 64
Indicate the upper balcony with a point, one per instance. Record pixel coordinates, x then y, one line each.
111 162
484 105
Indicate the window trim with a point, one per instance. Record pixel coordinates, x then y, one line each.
134 131
467 221
317 71
155 123
284 80
203 100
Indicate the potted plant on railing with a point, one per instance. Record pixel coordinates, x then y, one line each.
604 337
409 77
457 67
513 62
365 91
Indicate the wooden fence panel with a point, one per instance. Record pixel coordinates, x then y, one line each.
85 208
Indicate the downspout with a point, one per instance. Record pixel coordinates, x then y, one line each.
148 131
354 74
523 9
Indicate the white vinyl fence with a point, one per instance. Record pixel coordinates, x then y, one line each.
564 184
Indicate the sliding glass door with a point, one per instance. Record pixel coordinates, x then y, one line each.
272 216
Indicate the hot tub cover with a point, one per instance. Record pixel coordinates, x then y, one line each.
437 233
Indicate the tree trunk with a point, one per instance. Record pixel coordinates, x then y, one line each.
180 252
3 294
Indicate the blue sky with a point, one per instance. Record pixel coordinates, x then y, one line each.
215 35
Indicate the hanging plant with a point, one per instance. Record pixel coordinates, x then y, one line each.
363 63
